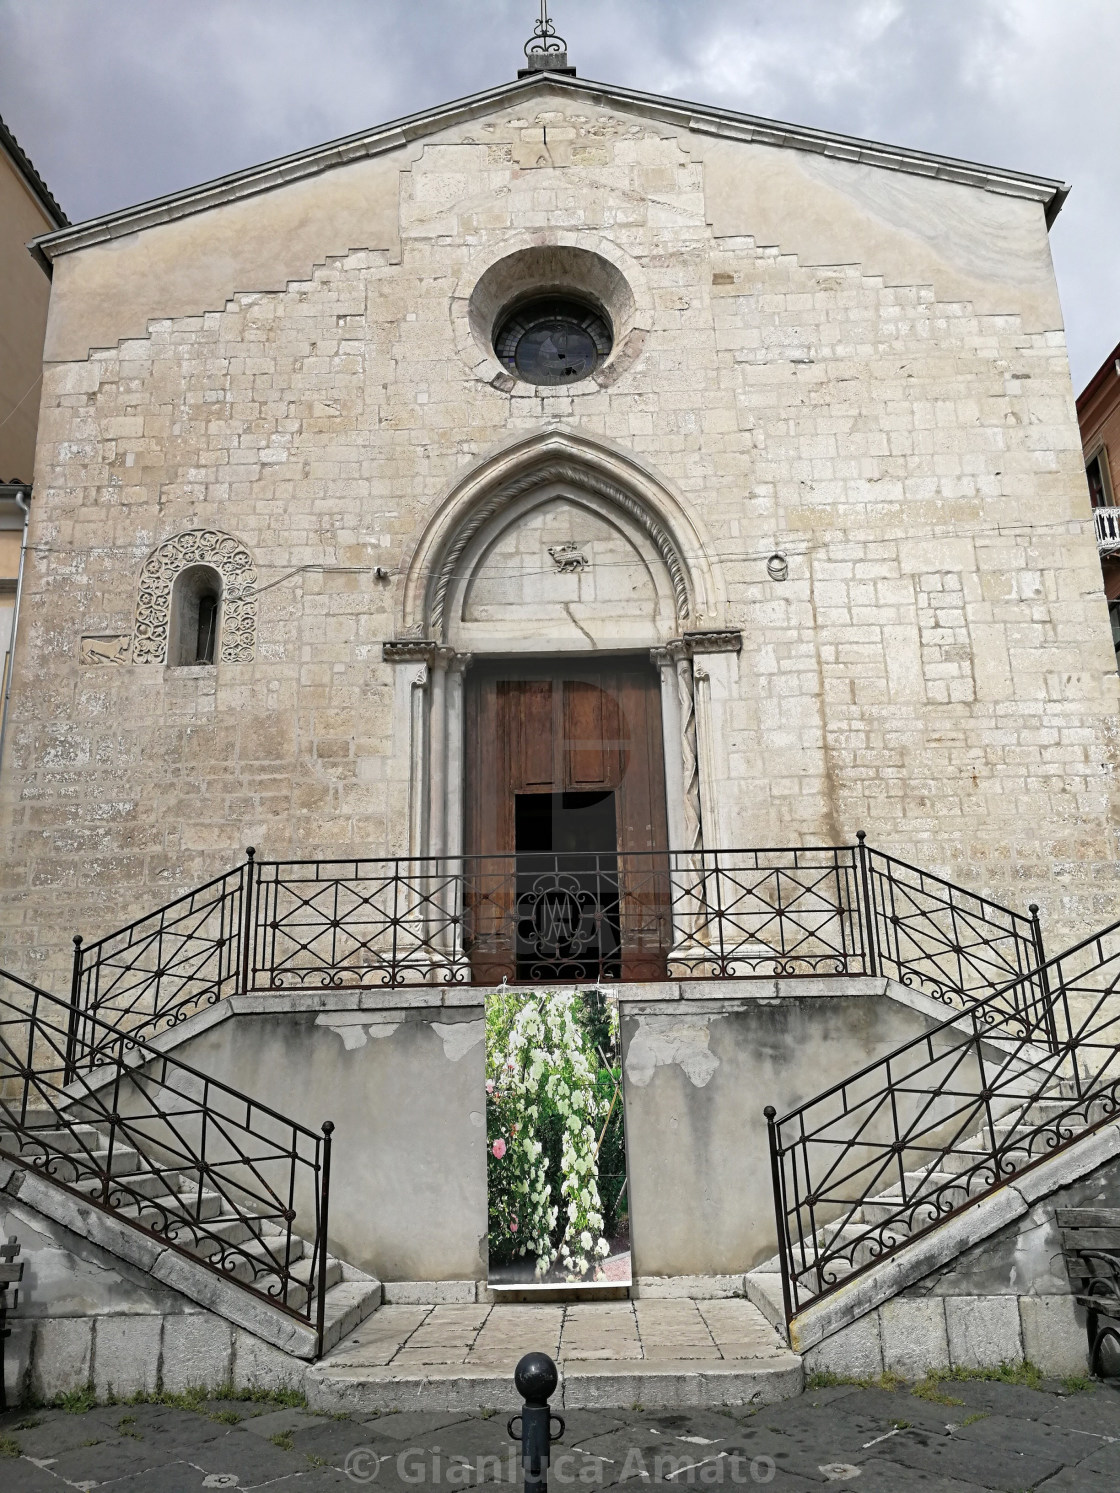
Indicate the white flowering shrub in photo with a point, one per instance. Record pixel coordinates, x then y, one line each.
545 1111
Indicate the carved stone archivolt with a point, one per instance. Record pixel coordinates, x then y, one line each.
233 562
582 479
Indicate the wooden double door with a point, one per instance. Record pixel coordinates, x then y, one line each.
567 876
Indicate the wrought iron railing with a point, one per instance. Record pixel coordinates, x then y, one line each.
952 944
206 1170
558 917
164 966
912 1138
595 917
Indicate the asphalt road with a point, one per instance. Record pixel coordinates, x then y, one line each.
998 1437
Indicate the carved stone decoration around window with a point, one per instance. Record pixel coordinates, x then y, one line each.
233 562
581 479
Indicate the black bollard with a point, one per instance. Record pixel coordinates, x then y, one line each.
536 1380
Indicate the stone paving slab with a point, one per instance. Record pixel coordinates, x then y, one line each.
659 1352
869 1440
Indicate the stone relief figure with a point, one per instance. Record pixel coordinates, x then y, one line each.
233 562
106 649
568 557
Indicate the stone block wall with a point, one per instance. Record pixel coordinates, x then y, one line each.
86 1317
937 668
1004 1300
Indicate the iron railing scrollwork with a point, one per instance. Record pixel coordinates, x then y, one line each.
951 943
161 968
190 1161
711 914
914 1137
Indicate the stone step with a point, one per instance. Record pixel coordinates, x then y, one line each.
763 1286
145 1184
80 1137
78 1166
208 1206
607 1365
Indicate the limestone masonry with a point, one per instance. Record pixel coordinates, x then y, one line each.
855 366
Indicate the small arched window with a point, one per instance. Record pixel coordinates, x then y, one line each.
196 607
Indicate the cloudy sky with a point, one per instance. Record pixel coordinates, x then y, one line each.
120 100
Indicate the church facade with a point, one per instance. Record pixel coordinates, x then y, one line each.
813 496
578 539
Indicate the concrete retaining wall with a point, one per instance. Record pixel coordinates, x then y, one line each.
700 1069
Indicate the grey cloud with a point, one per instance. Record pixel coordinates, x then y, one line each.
119 100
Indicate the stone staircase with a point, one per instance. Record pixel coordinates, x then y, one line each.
889 1240
176 1205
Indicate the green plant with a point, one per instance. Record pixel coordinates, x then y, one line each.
125 1425
29 1424
10 1447
227 1417
76 1401
282 1439
824 1379
930 1389
543 1103
970 1420
1076 1384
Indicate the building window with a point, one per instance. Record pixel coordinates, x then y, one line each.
196 605
553 340
1100 488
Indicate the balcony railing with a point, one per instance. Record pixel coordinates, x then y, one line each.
1106 521
574 917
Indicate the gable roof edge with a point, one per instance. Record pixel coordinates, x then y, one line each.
700 119
33 181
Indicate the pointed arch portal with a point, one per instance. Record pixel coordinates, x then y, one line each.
552 614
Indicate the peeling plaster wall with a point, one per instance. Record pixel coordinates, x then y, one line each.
696 1081
405 1091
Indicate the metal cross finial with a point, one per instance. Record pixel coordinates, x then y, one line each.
544 37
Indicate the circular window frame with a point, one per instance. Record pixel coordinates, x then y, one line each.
531 312
586 269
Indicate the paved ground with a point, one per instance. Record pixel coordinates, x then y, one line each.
592 1332
998 1437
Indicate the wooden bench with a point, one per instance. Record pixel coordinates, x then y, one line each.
1091 1245
11 1273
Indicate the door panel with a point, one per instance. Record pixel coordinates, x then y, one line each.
530 747
591 729
559 728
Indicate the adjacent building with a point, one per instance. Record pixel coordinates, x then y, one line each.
1098 413
27 210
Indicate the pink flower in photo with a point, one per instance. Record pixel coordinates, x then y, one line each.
489 1085
499 1148
513 1223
